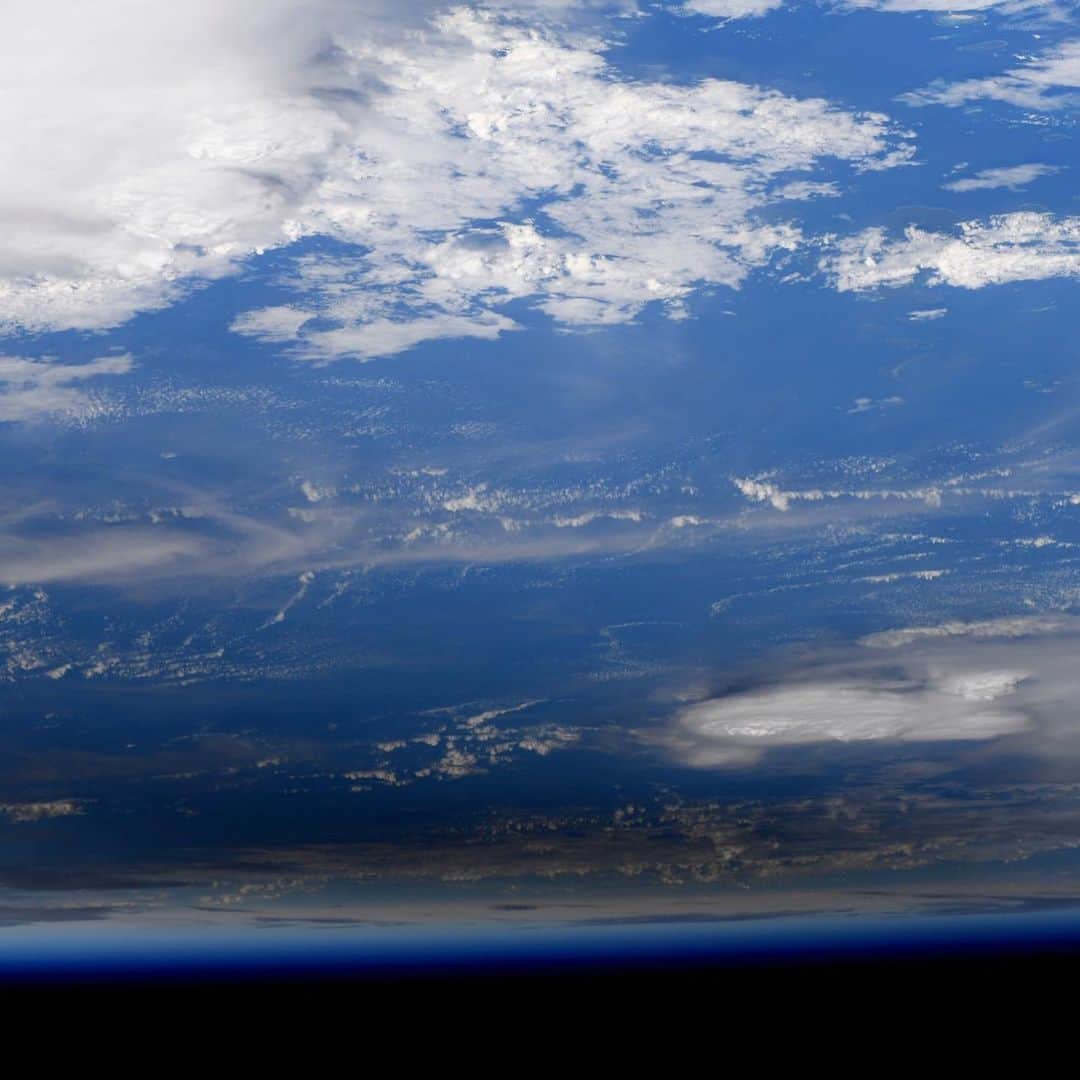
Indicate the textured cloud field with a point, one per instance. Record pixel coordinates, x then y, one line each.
479 444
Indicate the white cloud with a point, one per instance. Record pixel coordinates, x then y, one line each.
865 404
1011 247
956 681
101 555
985 629
763 490
505 162
928 314
732 9
456 164
738 728
953 7
739 9
1043 82
22 813
1013 177
31 389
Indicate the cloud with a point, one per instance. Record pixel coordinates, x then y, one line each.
31 389
952 682
739 728
732 9
864 404
452 162
1013 177
97 555
22 813
985 629
504 161
763 490
960 7
1046 82
739 9
1024 246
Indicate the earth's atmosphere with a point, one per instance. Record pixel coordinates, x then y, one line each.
545 466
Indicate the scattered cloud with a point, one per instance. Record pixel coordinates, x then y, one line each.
448 163
1025 246
740 9
28 812
1045 82
732 9
504 161
32 389
1013 177
865 404
763 490
985 629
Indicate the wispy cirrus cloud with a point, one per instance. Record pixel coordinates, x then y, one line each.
1048 81
1012 177
31 389
741 9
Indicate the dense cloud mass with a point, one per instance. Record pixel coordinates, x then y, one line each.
458 162
456 159
1024 246
953 682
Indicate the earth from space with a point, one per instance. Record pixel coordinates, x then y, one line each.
603 470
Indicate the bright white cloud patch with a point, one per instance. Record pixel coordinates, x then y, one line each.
1011 247
34 388
501 162
732 9
456 164
1013 177
740 9
152 143
955 681
739 728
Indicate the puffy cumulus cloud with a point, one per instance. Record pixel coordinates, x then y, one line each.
31 389
503 161
764 490
452 161
1013 177
1024 246
1048 81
